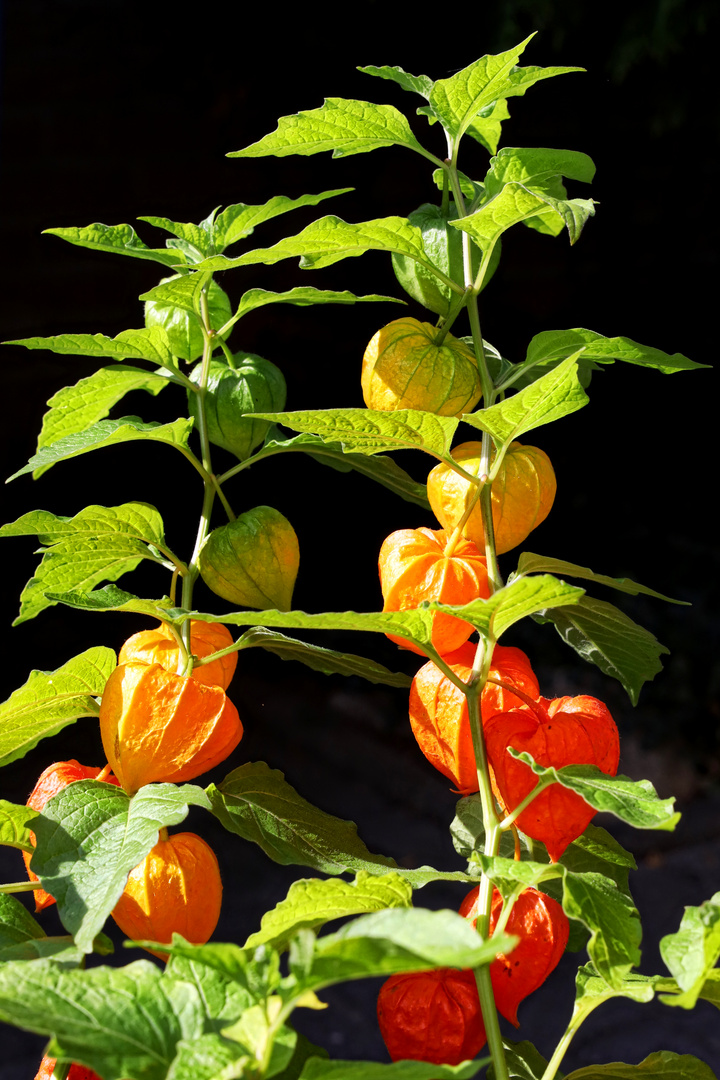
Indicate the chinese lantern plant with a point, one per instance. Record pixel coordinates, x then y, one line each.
165 710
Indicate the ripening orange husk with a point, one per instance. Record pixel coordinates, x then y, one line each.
176 889
156 726
522 494
413 567
439 712
158 646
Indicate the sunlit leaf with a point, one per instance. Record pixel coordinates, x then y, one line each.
118 240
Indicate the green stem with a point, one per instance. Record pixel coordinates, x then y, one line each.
455 308
561 1049
61 1070
512 818
20 886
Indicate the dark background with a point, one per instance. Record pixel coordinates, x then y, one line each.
121 109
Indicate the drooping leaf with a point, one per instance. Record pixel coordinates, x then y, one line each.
383 470
312 902
529 563
371 431
118 240
301 296
108 433
662 1065
515 203
418 84
137 1018
91 835
328 661
605 636
258 804
693 951
330 239
523 1062
556 394
240 220
342 125
537 168
198 238
633 801
16 924
14 825
458 100
49 701
149 343
75 408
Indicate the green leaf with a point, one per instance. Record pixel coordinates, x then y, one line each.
98 544
150 343
182 291
515 203
467 829
383 470
371 431
49 701
458 100
16 924
209 1057
596 851
108 433
693 951
538 169
302 296
258 804
341 125
399 939
591 991
91 835
311 903
523 1062
551 346
119 240
513 602
556 394
328 661
75 408
119 1022
330 239
240 220
14 826
318 1069
605 636
111 598
528 563
418 84
633 801
662 1065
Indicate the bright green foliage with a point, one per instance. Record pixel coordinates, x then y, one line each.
14 825
172 306
692 953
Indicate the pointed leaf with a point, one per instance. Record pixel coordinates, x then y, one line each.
49 701
330 239
341 125
183 291
150 343
537 168
662 1065
135 519
119 240
108 433
302 296
513 602
552 346
14 826
311 903
528 563
633 801
240 220
75 408
591 991
515 203
383 470
692 952
91 835
119 1022
209 1057
457 101
605 636
258 804
371 431
196 236
556 394
523 1061
328 661
418 84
